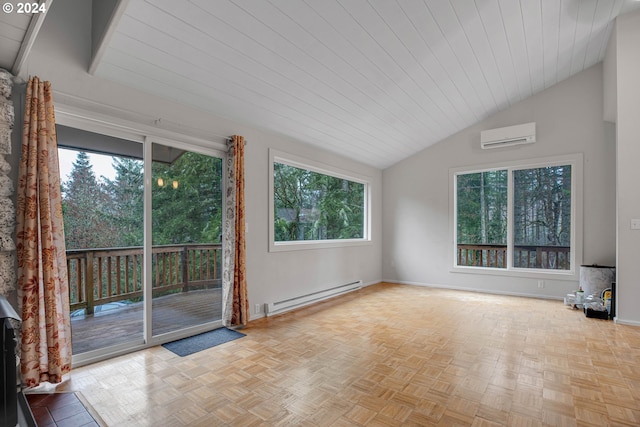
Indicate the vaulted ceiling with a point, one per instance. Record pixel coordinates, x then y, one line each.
17 34
375 80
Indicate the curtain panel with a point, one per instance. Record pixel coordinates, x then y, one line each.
43 291
235 305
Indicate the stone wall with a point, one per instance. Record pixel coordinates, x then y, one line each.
7 208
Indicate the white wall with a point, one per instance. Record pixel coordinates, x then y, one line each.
610 72
416 230
61 55
627 54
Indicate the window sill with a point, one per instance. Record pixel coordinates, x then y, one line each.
568 275
315 244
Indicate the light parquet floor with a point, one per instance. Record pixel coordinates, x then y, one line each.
387 355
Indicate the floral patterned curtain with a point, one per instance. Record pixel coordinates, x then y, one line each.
235 305
42 270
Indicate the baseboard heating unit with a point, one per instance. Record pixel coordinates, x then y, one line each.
272 308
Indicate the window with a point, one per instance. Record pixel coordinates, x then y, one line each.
542 218
518 217
316 205
482 218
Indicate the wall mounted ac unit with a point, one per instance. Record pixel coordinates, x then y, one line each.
508 136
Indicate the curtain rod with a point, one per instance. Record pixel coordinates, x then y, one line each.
230 139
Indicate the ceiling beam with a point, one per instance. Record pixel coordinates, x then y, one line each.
30 37
103 27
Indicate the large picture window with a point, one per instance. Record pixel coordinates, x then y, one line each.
312 204
520 217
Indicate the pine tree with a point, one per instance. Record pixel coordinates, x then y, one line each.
314 206
190 212
84 203
126 192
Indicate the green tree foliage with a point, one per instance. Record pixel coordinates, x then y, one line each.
110 213
313 206
542 206
482 208
192 212
85 208
126 193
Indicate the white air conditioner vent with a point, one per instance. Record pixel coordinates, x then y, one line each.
508 136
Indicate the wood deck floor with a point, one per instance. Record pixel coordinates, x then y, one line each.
123 324
386 355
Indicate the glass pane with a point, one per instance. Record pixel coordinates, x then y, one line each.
103 216
542 218
313 206
186 239
481 201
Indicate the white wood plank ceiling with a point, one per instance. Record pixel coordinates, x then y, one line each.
13 30
375 80
18 31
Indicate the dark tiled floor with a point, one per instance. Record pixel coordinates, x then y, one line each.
59 409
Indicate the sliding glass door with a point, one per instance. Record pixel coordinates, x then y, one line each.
102 202
186 223
143 227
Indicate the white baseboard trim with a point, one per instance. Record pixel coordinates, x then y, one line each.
482 291
256 316
375 282
619 321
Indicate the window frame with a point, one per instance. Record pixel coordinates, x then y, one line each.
276 156
576 163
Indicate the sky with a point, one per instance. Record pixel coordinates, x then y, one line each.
101 164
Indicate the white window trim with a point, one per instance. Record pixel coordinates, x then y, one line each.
576 162
124 129
276 156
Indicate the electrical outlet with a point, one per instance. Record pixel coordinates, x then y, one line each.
256 309
540 284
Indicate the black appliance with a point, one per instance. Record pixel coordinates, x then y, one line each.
8 370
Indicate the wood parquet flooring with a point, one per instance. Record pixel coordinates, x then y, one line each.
387 355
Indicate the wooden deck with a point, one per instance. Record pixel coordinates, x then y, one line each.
122 324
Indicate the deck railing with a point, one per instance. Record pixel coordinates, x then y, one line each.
524 256
101 276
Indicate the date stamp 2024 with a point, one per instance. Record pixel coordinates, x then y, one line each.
24 8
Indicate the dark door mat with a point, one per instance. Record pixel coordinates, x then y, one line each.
62 409
196 343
